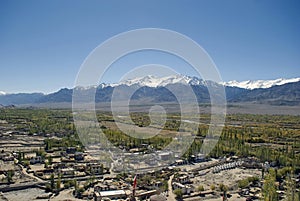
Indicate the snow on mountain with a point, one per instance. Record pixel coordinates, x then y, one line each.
88 87
260 83
153 81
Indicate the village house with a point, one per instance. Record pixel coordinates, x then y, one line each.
67 171
151 161
58 166
180 162
165 156
115 194
6 156
101 187
35 160
157 184
79 156
183 178
186 189
71 150
94 168
79 167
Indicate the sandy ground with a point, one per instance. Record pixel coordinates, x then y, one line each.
65 195
227 177
32 193
171 194
235 197
37 167
5 166
24 195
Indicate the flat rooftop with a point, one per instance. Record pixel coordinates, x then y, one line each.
112 193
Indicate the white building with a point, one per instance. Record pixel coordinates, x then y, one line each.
116 194
186 189
67 171
165 156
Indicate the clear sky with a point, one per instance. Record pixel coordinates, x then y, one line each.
43 43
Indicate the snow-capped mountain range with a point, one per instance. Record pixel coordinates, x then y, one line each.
264 84
153 81
153 89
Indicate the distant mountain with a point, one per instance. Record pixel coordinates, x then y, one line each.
260 83
152 81
153 89
63 95
20 98
286 94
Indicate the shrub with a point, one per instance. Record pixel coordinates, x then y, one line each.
243 183
178 193
200 188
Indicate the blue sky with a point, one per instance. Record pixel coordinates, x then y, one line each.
43 43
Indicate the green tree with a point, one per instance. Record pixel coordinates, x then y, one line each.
291 194
58 184
178 193
270 187
9 176
52 182
20 156
50 160
223 188
165 185
200 188
243 183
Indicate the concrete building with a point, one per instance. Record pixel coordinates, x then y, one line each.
165 156
186 189
71 150
35 160
67 171
95 168
115 194
79 156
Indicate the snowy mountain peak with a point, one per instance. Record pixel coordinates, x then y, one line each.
153 81
260 83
